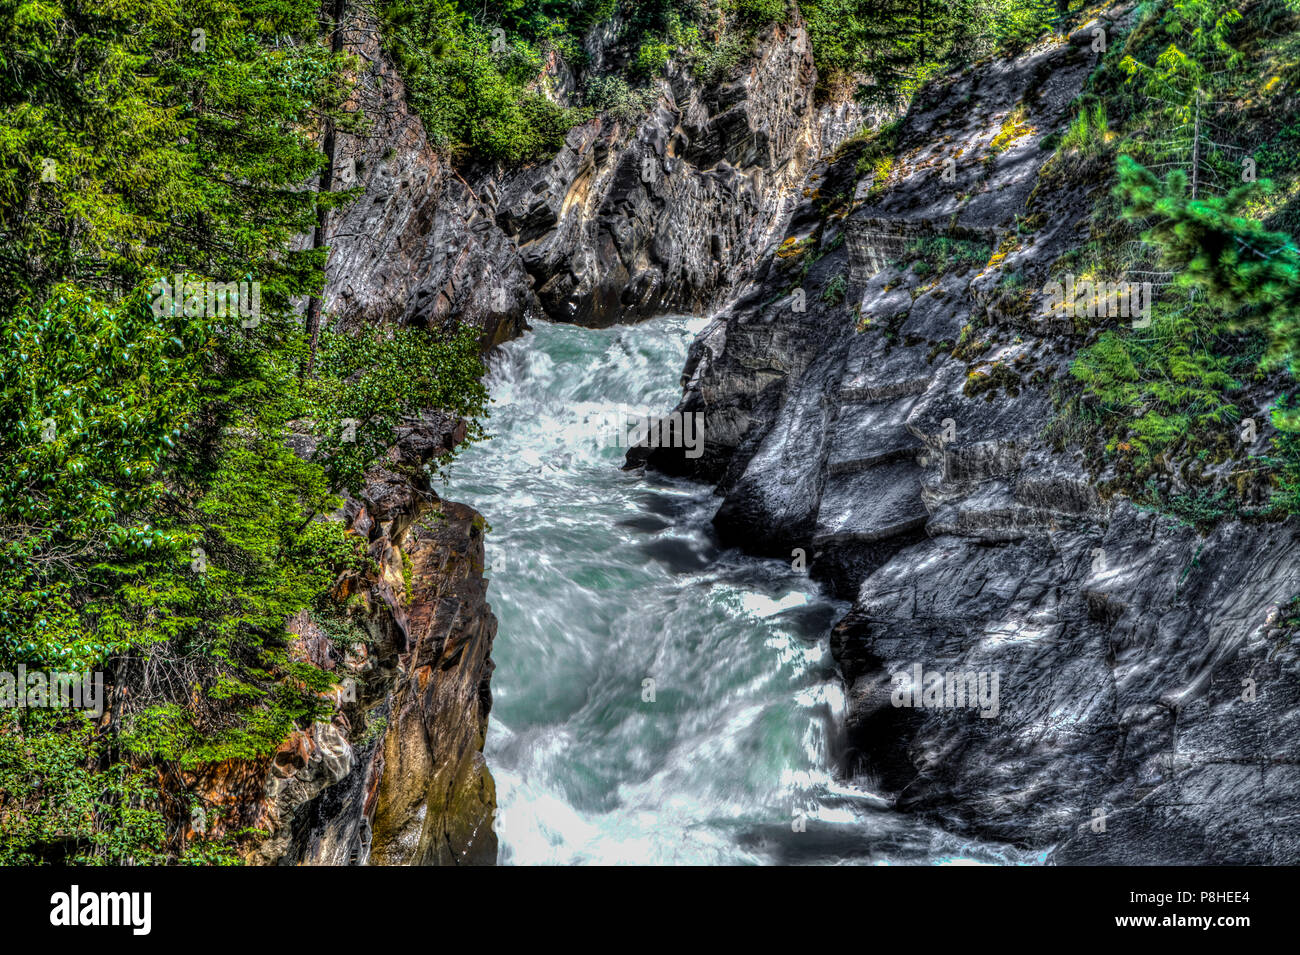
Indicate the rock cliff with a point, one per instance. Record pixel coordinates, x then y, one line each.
672 213
667 213
397 775
888 422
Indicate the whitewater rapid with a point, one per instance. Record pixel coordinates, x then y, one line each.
657 699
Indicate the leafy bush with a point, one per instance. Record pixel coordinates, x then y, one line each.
1014 25
941 253
1246 271
473 100
651 58
762 11
1157 388
1162 400
375 380
835 290
877 157
611 94
57 805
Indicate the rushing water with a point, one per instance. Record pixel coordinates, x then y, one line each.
603 579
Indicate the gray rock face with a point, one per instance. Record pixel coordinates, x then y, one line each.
624 223
1147 706
420 246
1122 651
672 215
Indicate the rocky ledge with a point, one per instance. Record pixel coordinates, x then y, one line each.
1148 700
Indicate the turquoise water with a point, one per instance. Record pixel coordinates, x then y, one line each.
604 579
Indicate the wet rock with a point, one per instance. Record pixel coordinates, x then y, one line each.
1147 702
671 215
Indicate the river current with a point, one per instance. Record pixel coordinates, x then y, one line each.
657 699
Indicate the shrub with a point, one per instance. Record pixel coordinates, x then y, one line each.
651 58
835 290
612 95
474 101
1088 133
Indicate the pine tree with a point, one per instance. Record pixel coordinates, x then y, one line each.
1248 273
904 42
1189 75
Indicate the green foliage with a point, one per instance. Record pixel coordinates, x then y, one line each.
651 58
1285 456
58 804
897 44
1014 25
713 62
762 11
1183 77
474 100
987 380
483 100
1089 132
877 156
1162 400
835 290
376 380
1202 509
485 103
158 152
154 522
942 253
1014 127
1289 616
611 94
1156 389
65 800
1247 272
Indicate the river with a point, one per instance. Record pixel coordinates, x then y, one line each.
657 699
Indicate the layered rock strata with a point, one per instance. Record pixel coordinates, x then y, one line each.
890 421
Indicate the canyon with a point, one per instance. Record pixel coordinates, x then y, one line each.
623 223
1145 678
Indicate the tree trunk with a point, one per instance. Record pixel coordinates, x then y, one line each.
1196 145
338 9
922 62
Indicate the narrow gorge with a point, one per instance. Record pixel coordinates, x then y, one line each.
622 224
1122 637
960 570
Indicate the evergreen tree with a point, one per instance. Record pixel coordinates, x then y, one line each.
154 522
1247 273
1186 80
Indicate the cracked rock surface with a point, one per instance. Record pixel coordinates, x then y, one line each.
1148 699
